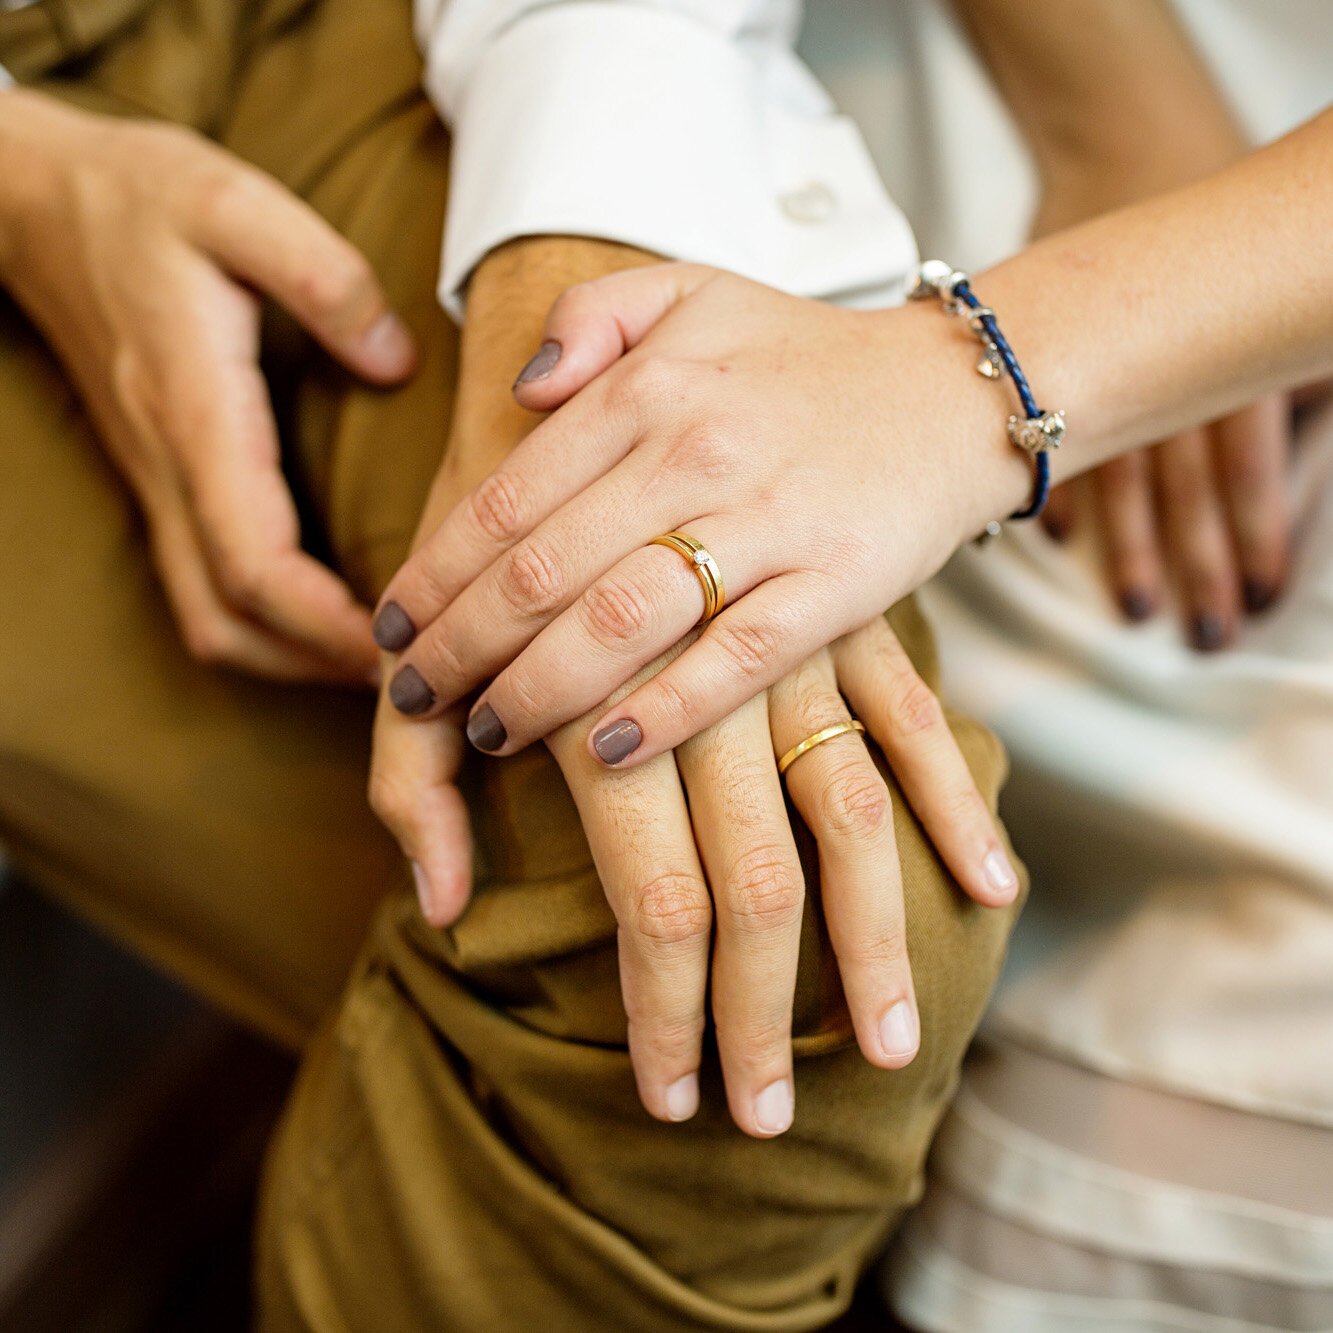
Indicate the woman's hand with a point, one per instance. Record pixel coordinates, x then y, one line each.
1206 512
830 460
140 250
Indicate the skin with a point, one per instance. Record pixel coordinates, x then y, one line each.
83 208
695 850
697 400
139 250
1133 112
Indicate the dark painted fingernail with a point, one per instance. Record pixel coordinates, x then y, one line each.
1057 527
1258 596
1209 633
1136 604
485 730
409 691
393 628
541 365
617 741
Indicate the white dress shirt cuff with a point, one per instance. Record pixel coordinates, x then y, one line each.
645 126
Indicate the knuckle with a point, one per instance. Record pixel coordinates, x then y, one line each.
389 797
340 280
206 640
914 709
531 581
439 662
616 611
879 953
497 508
764 891
242 581
855 803
673 909
747 647
668 1038
705 450
672 701
646 381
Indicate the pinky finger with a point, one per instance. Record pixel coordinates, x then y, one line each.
906 717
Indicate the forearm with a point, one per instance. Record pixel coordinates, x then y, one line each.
1090 84
1183 308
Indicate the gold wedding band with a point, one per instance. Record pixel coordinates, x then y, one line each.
705 570
796 751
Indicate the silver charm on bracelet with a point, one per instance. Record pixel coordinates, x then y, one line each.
1037 434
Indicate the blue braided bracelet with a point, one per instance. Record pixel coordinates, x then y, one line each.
1036 431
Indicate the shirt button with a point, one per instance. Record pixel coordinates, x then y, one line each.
813 202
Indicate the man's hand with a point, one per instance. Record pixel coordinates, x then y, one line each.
414 767
140 249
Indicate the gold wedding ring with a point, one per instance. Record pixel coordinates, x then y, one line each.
837 729
705 570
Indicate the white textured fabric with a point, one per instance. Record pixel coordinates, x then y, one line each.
6 79
689 128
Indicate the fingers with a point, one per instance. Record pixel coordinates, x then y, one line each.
846 805
906 717
1252 452
212 632
748 647
594 324
1124 496
1061 512
247 521
558 461
626 619
749 854
1199 540
413 776
264 234
638 827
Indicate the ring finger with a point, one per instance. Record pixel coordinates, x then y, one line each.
626 619
845 803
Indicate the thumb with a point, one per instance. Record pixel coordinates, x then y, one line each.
593 325
413 790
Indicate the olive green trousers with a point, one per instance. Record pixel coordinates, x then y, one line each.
464 1148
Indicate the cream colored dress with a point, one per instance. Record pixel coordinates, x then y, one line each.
1144 1139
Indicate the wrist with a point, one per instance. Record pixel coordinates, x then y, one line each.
509 297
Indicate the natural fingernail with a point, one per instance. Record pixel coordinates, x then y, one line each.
617 741
1136 604
682 1097
1000 873
1258 596
899 1031
542 364
774 1107
423 889
388 344
393 628
409 692
1209 633
485 730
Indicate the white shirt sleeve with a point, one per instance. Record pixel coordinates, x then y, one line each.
685 127
6 79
